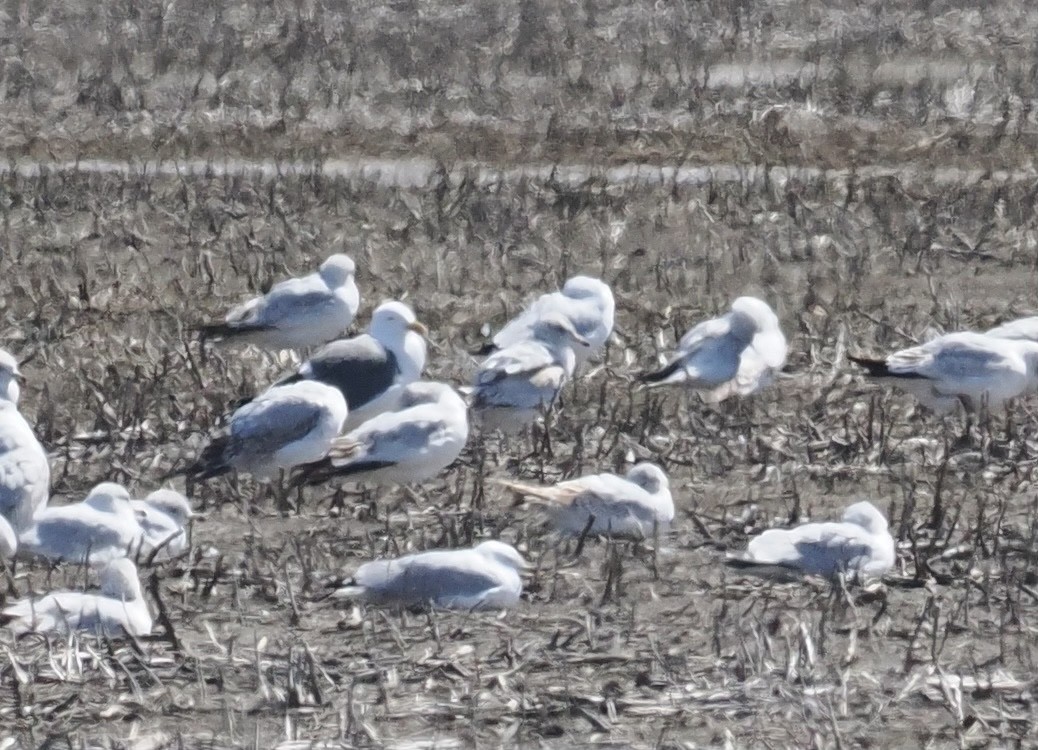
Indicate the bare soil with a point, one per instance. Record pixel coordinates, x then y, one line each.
104 275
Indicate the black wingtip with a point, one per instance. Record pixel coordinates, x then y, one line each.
877 368
484 349
660 375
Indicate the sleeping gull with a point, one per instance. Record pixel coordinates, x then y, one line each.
630 506
163 516
119 608
736 354
365 368
101 528
24 470
1021 328
965 367
515 384
860 545
587 303
424 435
296 313
484 577
285 426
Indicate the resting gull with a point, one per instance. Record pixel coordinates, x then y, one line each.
631 506
860 545
164 516
24 470
118 609
296 313
736 354
484 577
367 367
425 434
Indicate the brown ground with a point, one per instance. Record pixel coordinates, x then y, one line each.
102 278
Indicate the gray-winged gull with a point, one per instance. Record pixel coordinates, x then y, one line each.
296 313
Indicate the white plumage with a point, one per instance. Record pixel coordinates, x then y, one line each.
163 516
484 577
119 608
736 354
632 506
296 313
24 469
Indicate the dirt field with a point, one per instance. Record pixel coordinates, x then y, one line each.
866 168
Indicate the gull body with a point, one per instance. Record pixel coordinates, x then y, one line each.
860 545
24 469
296 313
422 436
100 528
369 368
736 354
632 506
517 383
285 426
484 577
585 301
971 368
118 609
1021 328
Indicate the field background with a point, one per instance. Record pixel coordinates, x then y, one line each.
867 168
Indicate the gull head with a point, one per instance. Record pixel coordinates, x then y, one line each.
337 270
751 316
505 554
586 287
119 580
109 497
172 503
392 320
649 477
10 377
557 330
866 515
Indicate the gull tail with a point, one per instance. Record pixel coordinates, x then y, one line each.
661 376
226 331
548 495
208 465
487 347
878 368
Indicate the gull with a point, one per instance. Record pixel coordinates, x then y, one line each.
118 609
514 384
971 368
296 313
1021 328
367 367
163 516
283 427
484 577
24 470
736 354
587 303
860 545
100 528
631 506
424 435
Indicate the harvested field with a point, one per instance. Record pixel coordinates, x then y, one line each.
866 169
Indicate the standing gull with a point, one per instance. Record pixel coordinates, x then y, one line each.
424 435
860 545
102 527
283 427
296 313
484 577
736 354
367 367
24 471
966 367
587 303
164 516
631 506
118 609
518 382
